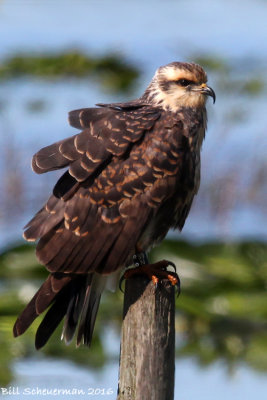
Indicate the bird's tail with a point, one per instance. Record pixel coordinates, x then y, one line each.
75 296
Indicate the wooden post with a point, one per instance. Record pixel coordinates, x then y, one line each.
147 341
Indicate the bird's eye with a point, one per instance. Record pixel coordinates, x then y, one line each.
183 82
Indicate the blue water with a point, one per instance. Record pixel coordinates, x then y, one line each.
191 382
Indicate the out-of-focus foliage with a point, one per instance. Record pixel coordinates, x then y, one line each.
20 277
221 312
115 73
231 78
212 63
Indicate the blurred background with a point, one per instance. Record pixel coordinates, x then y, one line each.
58 55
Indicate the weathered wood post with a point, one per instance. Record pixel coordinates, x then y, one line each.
147 341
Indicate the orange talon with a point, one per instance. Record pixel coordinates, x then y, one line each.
155 272
173 280
154 280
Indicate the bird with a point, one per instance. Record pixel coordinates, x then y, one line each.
131 175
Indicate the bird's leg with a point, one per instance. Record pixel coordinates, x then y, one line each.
140 259
155 272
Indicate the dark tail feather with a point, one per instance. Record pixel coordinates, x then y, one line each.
68 302
91 318
57 289
40 301
89 312
26 318
51 320
53 317
74 311
73 296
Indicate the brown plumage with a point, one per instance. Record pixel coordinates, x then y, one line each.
132 175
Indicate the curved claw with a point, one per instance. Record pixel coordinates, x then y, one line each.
122 278
168 263
178 286
154 272
172 265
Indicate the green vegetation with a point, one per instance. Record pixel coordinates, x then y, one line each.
253 86
230 76
212 63
115 73
221 312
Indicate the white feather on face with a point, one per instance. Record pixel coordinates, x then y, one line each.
166 88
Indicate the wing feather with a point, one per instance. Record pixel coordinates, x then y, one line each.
130 178
123 172
101 138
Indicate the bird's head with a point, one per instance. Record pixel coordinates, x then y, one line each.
178 85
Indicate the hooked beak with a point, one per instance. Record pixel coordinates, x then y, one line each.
208 91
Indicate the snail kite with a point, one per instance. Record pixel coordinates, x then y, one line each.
132 173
